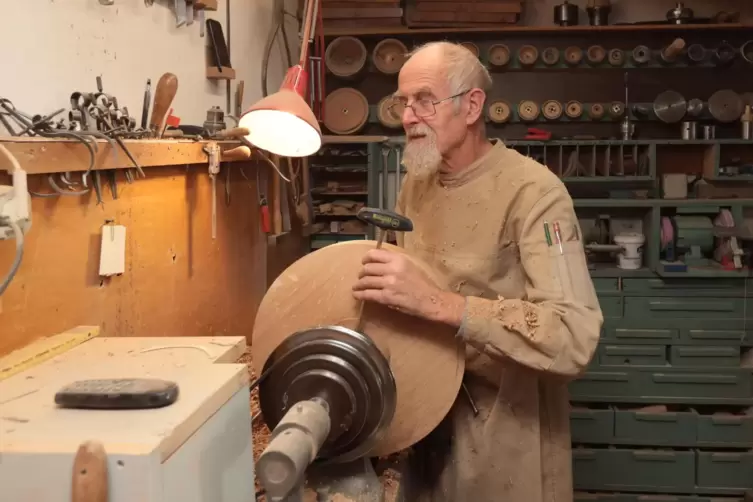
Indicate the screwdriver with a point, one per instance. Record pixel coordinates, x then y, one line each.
384 220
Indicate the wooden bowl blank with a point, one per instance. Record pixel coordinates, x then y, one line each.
426 358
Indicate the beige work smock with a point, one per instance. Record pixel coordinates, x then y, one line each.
531 324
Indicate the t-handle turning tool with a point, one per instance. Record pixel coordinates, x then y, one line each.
384 220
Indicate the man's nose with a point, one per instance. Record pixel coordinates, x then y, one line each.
409 117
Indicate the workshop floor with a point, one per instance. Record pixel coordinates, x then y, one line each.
389 476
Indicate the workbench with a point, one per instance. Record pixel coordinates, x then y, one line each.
196 450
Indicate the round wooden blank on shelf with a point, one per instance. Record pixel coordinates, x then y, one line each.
471 47
389 56
346 111
426 358
386 116
345 56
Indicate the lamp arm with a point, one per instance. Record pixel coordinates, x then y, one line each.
309 18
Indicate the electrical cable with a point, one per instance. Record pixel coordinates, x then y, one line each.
17 260
17 233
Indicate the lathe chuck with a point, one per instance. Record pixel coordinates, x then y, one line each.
342 367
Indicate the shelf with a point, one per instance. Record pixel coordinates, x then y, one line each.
335 139
605 203
42 155
530 30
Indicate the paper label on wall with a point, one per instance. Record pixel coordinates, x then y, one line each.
112 254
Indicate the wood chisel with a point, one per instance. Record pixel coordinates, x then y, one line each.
147 101
167 88
89 483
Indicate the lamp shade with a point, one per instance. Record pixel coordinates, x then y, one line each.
283 123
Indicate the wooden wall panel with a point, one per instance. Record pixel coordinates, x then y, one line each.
178 281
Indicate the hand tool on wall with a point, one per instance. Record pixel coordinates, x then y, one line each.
671 53
385 176
164 95
147 102
213 152
384 220
89 482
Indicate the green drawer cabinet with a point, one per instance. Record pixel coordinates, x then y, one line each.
666 341
655 428
725 472
651 471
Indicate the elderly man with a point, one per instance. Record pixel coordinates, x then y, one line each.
502 229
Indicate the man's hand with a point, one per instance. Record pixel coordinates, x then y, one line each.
393 280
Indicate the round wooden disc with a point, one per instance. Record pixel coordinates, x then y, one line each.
574 109
551 109
528 110
389 55
426 358
499 112
345 56
386 116
573 55
499 55
346 110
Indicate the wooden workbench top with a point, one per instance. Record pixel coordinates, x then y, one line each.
30 421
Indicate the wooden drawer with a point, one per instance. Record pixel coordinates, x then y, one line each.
683 308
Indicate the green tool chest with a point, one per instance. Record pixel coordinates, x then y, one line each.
708 356
657 471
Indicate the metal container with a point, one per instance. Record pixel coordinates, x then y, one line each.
689 130
566 14
709 132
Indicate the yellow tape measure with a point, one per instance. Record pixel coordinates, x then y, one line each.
44 349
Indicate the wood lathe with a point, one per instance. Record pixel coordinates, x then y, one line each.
341 381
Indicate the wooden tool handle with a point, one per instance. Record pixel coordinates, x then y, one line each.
164 94
235 132
89 482
675 48
238 153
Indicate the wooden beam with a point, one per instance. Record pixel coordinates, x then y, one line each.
42 155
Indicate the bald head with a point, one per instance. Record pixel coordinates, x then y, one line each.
457 64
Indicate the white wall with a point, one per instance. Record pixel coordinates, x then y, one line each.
52 48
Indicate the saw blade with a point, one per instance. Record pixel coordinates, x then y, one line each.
670 107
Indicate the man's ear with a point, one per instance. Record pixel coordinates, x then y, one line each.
476 99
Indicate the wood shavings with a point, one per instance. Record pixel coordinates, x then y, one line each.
260 434
168 347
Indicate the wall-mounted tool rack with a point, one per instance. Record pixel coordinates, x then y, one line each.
664 408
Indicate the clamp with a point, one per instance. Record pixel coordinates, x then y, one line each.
213 151
537 134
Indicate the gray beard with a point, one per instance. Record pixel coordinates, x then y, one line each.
422 158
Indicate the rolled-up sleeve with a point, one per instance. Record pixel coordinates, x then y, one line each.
555 327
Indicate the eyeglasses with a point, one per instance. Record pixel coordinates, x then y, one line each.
423 107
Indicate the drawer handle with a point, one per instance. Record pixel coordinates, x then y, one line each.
726 457
603 376
727 420
654 456
690 307
584 455
654 417
657 498
699 379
